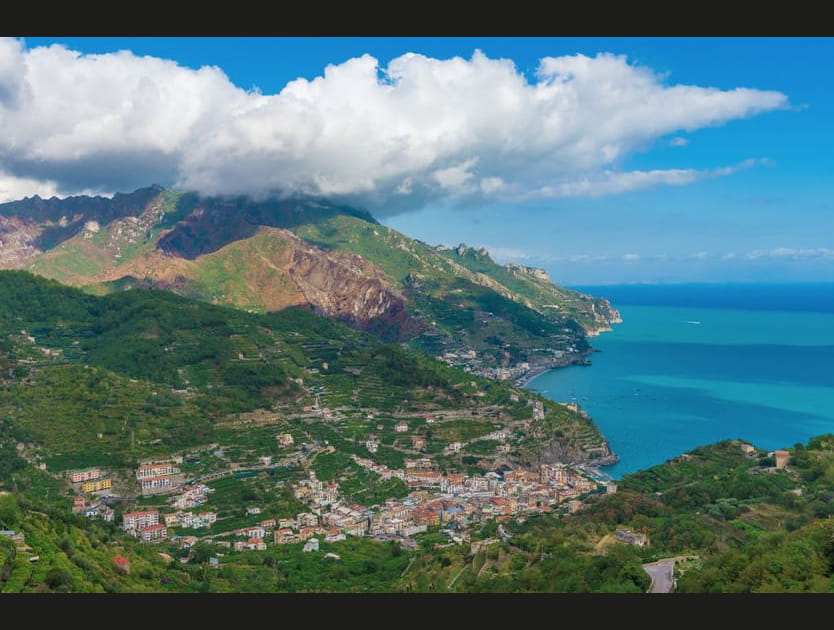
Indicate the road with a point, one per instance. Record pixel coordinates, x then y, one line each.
662 574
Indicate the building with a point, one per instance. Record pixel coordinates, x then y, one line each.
133 521
284 439
418 443
401 426
88 474
312 545
172 519
97 484
748 448
265 460
153 532
122 564
782 458
155 470
154 485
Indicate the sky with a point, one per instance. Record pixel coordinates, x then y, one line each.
601 160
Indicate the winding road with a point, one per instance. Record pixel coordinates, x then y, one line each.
662 574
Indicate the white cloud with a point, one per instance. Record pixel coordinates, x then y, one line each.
792 253
419 129
631 257
678 141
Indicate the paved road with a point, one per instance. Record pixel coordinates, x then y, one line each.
662 575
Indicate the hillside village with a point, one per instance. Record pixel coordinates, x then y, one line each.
452 502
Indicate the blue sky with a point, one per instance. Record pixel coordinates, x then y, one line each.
619 160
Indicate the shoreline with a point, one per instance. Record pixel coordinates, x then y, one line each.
596 464
531 374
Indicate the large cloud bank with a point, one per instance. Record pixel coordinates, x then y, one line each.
389 138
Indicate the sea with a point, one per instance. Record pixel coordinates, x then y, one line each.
693 364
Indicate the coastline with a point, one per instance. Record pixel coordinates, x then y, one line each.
532 373
596 464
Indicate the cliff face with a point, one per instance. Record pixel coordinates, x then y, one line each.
18 239
350 289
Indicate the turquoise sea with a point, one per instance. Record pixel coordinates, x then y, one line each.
695 364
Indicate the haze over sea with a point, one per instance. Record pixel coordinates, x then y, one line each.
696 364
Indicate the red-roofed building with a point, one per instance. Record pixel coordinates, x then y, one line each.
122 563
153 532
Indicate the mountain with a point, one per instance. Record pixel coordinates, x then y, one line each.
265 256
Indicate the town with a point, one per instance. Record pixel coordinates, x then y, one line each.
455 502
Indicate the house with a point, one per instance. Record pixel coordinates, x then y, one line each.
155 470
284 536
152 485
284 440
265 460
122 564
252 510
172 519
96 485
332 556
253 532
306 532
78 504
256 543
311 545
401 426
287 523
307 519
132 521
88 474
153 532
426 517
748 448
453 483
418 443
267 524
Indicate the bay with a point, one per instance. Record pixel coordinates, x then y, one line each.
675 375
